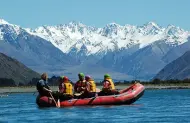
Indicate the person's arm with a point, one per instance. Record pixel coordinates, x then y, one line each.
47 89
109 85
88 86
44 88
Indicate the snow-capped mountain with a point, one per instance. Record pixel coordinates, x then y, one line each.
140 51
113 46
111 37
31 50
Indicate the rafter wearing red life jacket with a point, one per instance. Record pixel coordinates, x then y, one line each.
108 86
81 84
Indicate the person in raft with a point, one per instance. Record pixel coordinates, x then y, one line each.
65 88
42 86
91 87
108 86
80 85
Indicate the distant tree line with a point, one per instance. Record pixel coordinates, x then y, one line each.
54 81
156 81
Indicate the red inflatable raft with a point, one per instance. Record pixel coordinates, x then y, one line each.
126 96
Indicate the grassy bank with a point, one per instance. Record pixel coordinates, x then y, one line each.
32 89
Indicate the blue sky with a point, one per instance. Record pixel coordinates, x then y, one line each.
34 13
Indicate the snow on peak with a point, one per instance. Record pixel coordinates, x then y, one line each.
113 24
152 24
176 35
79 37
3 21
75 23
113 36
11 29
171 29
151 28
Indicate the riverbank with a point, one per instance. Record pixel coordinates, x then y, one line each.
32 89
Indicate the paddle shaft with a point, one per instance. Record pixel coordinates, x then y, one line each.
53 99
90 102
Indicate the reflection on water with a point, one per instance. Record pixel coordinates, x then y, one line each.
154 106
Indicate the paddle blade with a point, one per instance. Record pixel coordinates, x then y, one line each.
58 103
77 94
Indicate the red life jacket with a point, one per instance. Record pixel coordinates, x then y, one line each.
106 85
80 86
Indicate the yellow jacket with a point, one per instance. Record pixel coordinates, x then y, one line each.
68 88
92 86
111 82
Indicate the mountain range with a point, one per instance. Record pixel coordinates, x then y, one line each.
177 69
126 52
13 69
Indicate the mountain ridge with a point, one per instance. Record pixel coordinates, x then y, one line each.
112 47
13 69
177 69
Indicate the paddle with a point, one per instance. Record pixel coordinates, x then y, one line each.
77 94
58 102
93 98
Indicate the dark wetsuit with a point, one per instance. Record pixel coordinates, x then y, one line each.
40 85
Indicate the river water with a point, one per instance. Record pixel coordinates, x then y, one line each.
167 106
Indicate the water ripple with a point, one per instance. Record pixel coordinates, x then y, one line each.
155 106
